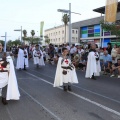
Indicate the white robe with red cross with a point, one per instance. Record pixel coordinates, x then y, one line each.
38 57
60 78
93 66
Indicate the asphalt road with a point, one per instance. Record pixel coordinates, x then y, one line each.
89 100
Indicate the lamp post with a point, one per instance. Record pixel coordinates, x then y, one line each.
20 31
67 12
70 26
5 41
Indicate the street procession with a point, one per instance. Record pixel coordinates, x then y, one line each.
66 68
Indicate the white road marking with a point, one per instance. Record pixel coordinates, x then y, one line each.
97 94
79 96
42 74
11 118
36 101
27 79
85 89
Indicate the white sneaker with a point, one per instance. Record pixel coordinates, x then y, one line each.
112 75
118 76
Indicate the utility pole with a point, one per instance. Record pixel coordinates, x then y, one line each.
20 31
70 26
21 34
5 41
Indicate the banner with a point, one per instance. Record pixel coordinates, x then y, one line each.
111 10
41 28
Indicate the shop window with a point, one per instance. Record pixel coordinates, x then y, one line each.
73 31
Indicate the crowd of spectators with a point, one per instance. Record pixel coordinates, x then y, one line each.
109 57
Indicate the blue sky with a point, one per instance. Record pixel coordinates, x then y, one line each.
29 13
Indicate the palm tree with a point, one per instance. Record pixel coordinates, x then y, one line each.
32 33
25 33
65 20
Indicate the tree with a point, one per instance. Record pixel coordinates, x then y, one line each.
16 42
114 28
2 42
10 43
32 40
65 20
25 33
47 39
32 33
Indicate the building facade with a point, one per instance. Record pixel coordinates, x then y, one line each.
58 36
85 31
91 31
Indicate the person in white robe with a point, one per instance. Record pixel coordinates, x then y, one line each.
38 57
65 72
8 81
20 59
93 63
26 63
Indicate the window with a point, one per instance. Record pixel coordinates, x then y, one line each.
76 31
73 31
51 34
76 39
59 32
59 39
73 38
56 33
63 32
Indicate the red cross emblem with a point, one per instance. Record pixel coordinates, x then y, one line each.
66 61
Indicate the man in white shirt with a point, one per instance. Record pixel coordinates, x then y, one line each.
67 46
72 51
56 48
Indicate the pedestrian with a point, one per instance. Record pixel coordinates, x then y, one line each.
93 63
65 73
8 82
109 48
22 60
73 50
38 57
26 63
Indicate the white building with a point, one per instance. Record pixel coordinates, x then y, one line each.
57 35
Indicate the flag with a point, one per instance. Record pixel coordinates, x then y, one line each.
111 10
41 28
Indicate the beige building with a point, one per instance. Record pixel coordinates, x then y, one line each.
57 35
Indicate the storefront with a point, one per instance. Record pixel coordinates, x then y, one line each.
94 33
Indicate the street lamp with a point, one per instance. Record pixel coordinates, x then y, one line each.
5 41
70 26
20 31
